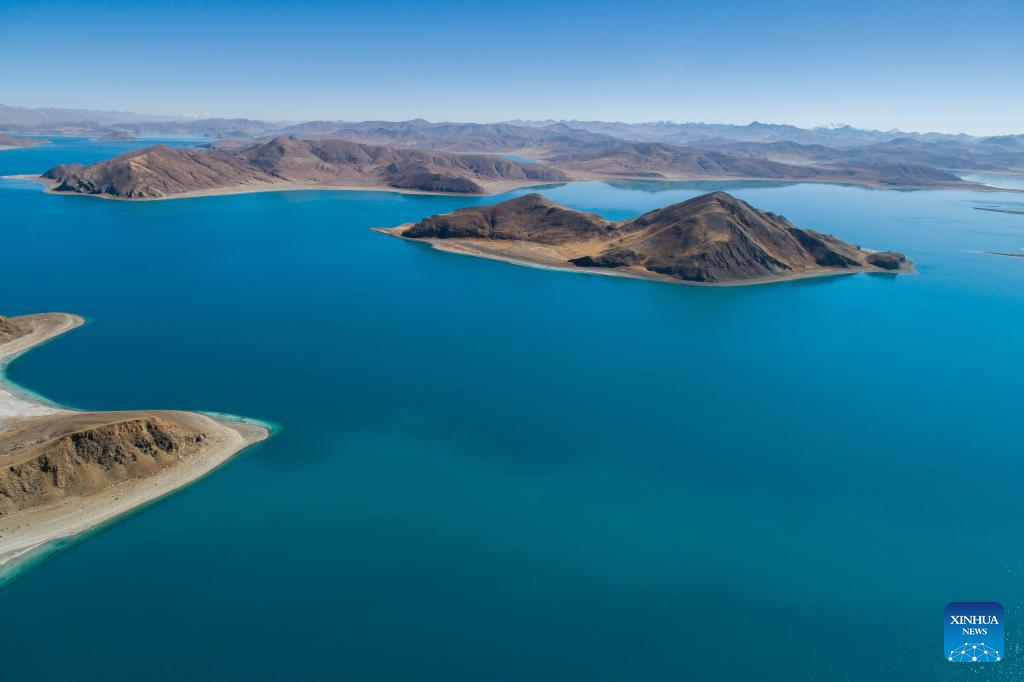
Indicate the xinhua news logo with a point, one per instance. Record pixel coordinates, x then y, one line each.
973 632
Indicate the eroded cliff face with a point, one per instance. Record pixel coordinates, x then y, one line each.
41 461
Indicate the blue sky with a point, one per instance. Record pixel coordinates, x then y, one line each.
937 65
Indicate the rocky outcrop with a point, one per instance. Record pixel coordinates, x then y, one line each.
101 450
11 328
887 260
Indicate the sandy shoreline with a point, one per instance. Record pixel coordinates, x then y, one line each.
492 189
495 188
468 248
28 533
15 403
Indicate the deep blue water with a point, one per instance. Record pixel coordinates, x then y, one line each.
490 472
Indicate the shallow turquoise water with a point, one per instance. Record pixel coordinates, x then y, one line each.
489 472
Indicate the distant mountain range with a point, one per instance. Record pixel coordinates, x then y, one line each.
90 121
585 150
686 133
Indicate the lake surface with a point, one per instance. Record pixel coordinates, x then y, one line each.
491 472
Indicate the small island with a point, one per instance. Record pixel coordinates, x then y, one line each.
11 142
117 136
711 239
63 471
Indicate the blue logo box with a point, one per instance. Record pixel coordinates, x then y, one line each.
973 632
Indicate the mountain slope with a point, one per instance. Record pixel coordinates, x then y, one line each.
161 171
528 218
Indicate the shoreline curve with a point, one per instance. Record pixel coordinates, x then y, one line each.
28 536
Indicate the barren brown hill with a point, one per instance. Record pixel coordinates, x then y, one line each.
161 171
713 238
158 171
530 218
46 459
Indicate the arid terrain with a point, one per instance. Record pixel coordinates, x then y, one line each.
711 239
63 472
487 158
163 172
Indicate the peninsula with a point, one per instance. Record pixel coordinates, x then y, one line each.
63 472
711 239
288 163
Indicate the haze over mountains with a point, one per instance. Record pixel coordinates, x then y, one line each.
576 150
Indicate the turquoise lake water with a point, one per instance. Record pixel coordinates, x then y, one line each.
490 472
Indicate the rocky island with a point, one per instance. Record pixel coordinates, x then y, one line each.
161 172
711 239
9 142
63 472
